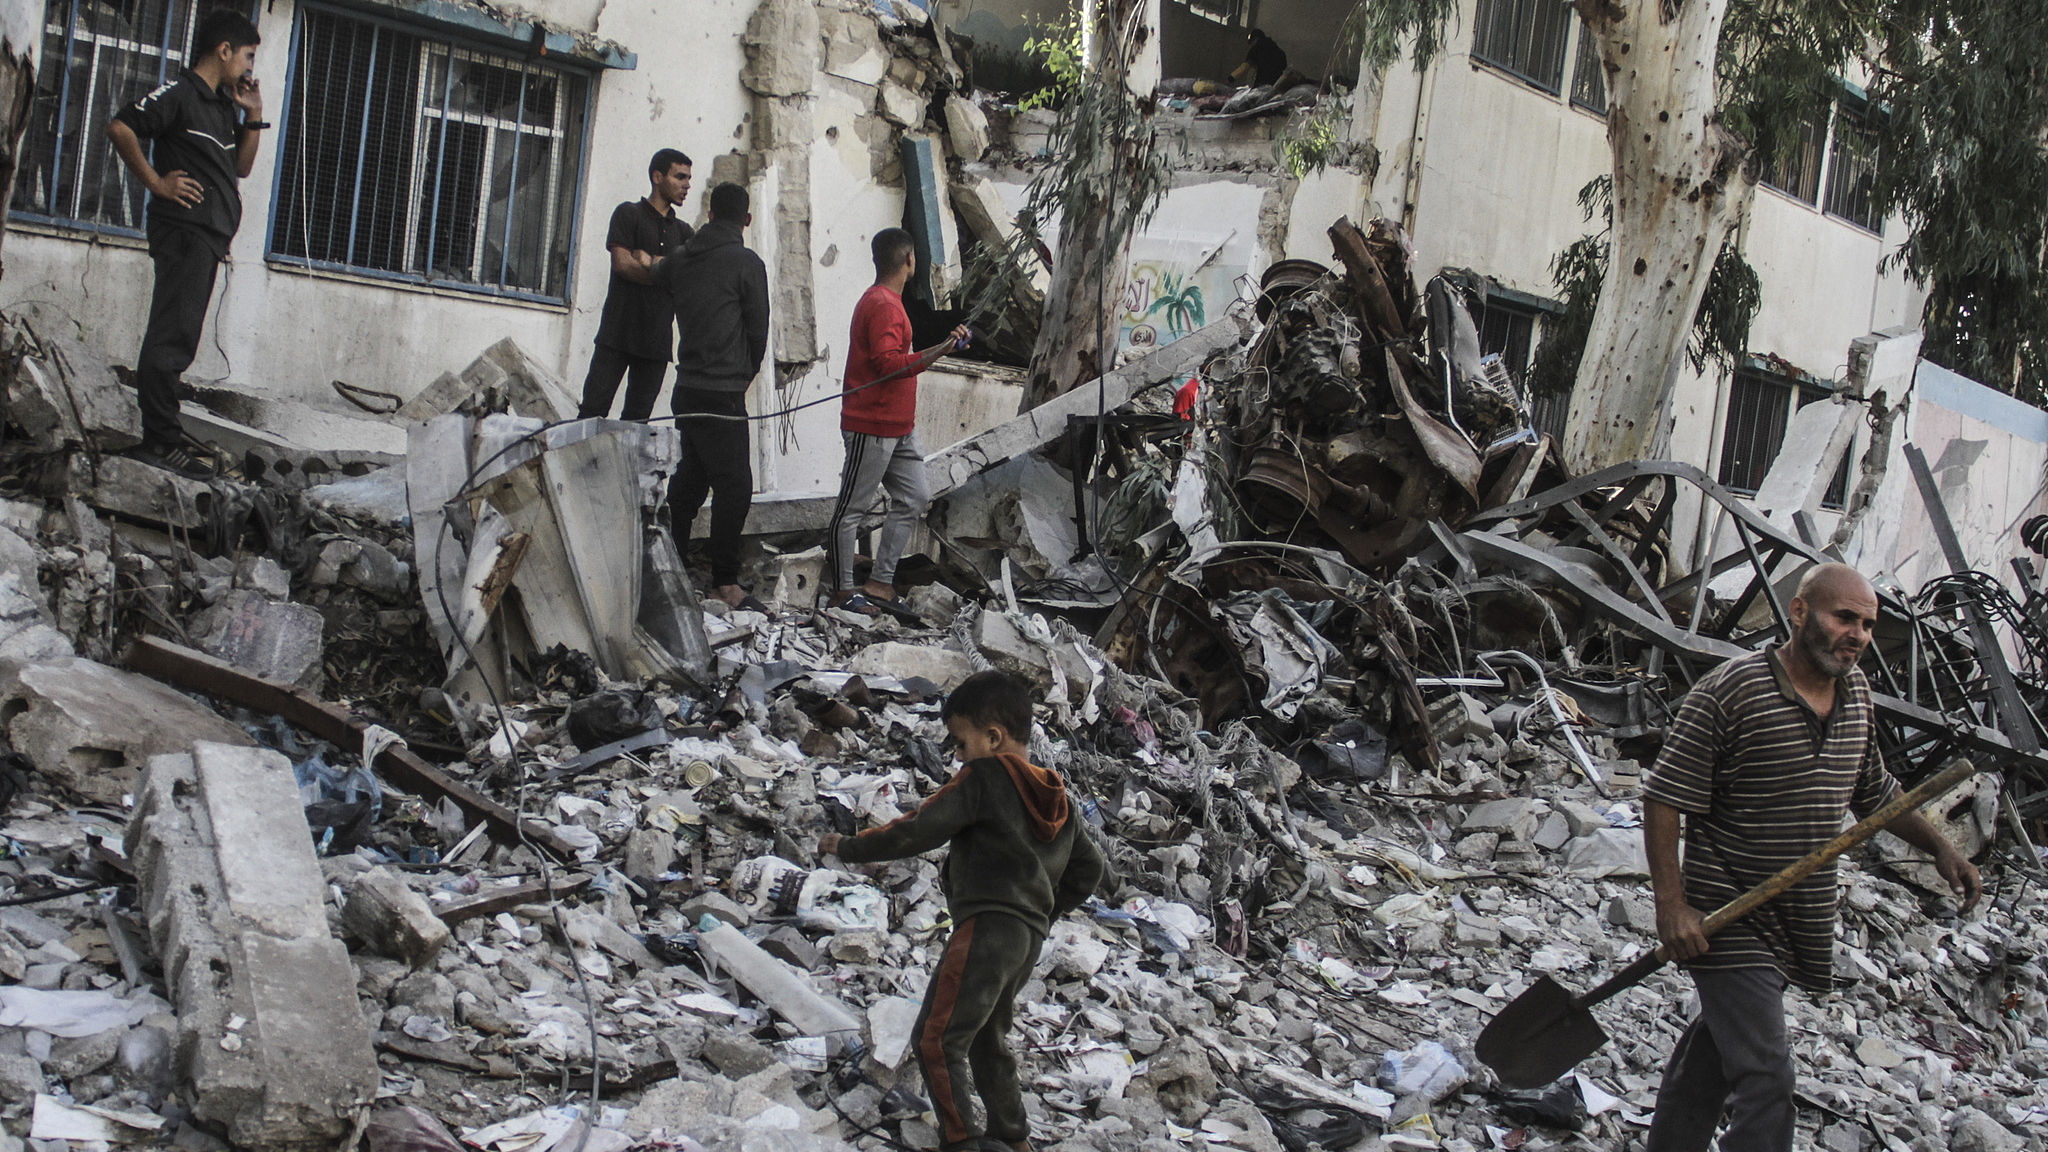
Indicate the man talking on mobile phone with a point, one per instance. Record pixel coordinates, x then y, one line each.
204 126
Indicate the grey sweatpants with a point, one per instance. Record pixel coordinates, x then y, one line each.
1734 1057
894 464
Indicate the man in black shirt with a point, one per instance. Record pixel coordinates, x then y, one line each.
633 336
205 127
720 290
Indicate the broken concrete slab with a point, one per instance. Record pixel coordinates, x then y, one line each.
393 919
138 491
966 129
948 469
63 393
274 639
1010 650
503 377
942 666
92 728
270 1037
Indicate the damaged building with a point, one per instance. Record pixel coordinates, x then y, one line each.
398 789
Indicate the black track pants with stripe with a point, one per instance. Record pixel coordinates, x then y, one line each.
965 1023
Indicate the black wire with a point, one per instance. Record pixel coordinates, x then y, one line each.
18 901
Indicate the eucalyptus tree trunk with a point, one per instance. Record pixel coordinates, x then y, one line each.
1108 144
21 28
1680 185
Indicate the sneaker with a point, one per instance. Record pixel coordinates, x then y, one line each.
172 458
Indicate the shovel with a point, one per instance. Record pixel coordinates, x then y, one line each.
1547 1030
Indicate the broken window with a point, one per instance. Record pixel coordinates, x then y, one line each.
1794 169
425 159
1525 37
1589 76
96 57
1852 167
1513 330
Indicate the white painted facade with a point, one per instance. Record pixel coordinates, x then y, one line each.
1481 166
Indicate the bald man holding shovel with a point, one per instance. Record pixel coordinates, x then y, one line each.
1766 754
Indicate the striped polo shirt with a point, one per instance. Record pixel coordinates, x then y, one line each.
1764 780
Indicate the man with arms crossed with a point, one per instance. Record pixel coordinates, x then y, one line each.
205 125
1766 755
639 318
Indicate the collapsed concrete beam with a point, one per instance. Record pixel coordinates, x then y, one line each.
202 673
270 1038
953 467
92 729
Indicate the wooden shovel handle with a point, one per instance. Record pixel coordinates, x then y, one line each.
1862 830
1746 903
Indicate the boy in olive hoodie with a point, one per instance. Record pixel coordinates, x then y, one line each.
1018 861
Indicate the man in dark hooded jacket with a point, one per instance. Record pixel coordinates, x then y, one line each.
721 293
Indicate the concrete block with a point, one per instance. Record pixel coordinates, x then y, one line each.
1514 817
263 575
901 105
942 666
276 640
393 919
92 728
782 44
233 898
712 904
650 852
1009 649
736 1056
1554 832
791 947
530 386
966 129
1459 718
138 491
792 580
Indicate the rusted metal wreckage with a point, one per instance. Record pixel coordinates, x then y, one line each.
1365 510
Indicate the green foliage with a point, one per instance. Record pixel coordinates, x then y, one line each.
1964 96
1103 179
1309 142
1963 162
1379 28
1720 329
1058 47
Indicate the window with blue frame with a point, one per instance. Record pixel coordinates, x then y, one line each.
97 56
420 157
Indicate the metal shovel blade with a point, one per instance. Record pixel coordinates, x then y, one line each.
1539 1037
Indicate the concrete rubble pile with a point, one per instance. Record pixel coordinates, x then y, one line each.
1365 766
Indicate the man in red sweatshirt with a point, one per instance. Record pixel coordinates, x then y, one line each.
1017 861
878 421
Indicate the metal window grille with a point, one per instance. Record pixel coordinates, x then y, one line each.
1795 170
1508 331
97 56
1526 37
415 157
1852 168
1753 429
1589 75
